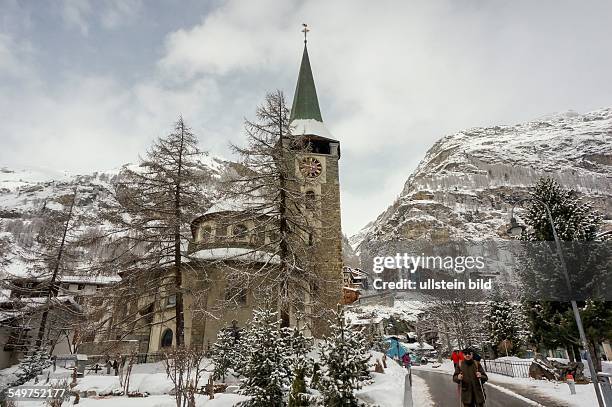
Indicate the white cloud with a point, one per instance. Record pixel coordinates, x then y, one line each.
76 14
237 36
111 14
120 12
15 57
392 78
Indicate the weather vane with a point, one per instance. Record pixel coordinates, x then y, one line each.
305 31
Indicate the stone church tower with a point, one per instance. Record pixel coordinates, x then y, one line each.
319 169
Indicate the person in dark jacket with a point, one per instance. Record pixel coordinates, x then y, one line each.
470 375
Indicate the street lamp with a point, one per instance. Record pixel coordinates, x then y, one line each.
515 230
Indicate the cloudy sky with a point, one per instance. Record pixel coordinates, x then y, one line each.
88 84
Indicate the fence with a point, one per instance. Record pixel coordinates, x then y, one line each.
507 368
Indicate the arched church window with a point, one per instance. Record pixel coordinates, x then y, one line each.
310 199
167 336
206 234
239 231
273 236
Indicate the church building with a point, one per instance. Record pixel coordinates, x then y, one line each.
223 235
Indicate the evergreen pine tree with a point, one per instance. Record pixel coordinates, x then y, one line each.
297 347
265 369
224 354
506 322
344 360
32 365
552 322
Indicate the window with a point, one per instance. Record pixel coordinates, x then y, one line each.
236 294
206 234
166 340
258 237
80 287
310 200
239 231
171 300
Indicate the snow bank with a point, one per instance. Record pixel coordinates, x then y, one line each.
388 388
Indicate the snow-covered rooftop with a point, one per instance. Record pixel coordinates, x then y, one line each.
90 279
236 253
307 127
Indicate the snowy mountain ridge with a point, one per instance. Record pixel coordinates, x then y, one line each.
26 193
465 185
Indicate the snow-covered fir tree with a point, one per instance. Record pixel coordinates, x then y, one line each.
264 363
344 364
574 218
552 322
32 364
225 353
297 348
506 327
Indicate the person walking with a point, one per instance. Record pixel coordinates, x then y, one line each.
470 376
406 360
457 356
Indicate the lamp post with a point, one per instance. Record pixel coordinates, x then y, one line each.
515 230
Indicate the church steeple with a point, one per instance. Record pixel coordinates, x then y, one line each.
305 103
305 116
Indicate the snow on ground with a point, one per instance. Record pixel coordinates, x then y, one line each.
220 400
421 395
388 388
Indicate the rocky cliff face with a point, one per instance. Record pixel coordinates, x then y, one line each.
30 196
465 186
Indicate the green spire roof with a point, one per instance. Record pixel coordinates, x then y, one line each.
305 102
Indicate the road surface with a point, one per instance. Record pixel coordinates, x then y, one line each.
444 392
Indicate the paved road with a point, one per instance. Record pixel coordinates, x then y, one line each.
444 392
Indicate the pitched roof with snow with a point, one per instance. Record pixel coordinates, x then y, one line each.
305 116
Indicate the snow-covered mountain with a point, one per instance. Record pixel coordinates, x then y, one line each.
465 186
25 193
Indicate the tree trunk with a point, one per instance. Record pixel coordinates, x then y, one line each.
594 350
576 349
570 353
284 229
178 272
53 288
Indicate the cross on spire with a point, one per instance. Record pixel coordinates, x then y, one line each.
305 31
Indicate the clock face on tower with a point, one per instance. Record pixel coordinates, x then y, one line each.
310 167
